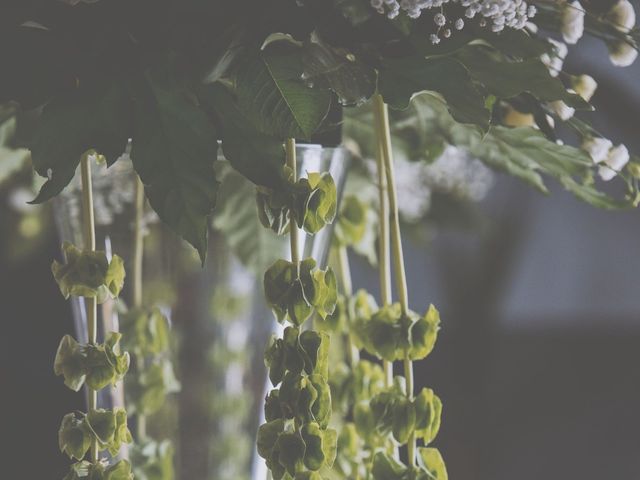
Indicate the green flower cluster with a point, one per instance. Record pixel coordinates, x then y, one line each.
312 201
91 275
146 333
100 471
295 441
107 427
390 334
95 365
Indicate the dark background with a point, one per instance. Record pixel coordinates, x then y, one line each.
537 362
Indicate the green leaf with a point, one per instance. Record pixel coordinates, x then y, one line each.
423 333
316 348
506 79
153 460
119 471
351 226
114 279
257 156
404 419
329 446
431 462
428 415
318 206
88 274
321 407
284 292
174 149
275 98
400 79
268 434
325 292
74 438
102 424
291 452
386 467
521 152
273 210
70 362
353 81
314 455
148 392
145 331
83 119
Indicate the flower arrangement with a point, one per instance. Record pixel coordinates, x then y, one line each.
412 77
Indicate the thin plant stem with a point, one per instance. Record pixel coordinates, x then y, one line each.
383 240
91 304
138 248
138 256
293 226
353 354
382 120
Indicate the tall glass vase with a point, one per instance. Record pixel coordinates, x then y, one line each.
218 318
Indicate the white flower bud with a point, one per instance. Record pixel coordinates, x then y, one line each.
555 60
572 19
622 54
585 86
622 16
597 147
564 111
616 160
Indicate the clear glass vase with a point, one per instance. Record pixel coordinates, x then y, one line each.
218 318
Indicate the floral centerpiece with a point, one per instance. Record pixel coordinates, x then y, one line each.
181 79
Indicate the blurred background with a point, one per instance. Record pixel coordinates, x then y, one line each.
537 362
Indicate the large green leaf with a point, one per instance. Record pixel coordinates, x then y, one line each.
400 79
174 149
84 119
257 156
505 78
353 81
276 98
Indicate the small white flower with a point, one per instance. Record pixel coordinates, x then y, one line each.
555 60
439 19
622 54
435 39
622 16
572 19
616 160
585 86
597 147
459 25
564 111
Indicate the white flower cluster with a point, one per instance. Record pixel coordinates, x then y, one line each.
495 14
611 159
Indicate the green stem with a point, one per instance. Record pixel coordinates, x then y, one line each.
383 239
138 247
382 120
293 226
353 354
91 304
138 256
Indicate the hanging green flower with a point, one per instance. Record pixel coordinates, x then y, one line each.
89 274
97 365
294 290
